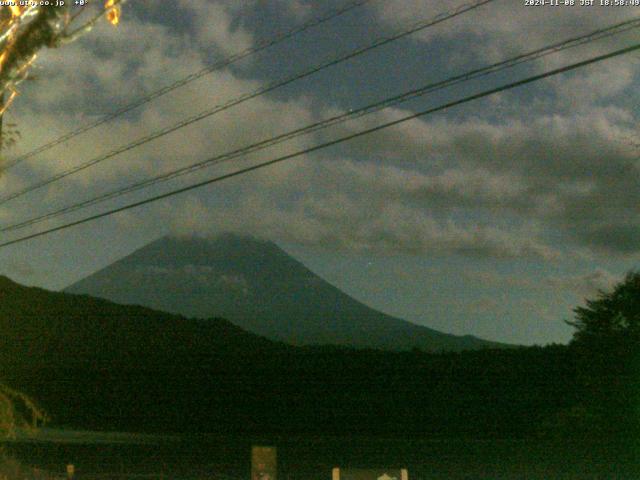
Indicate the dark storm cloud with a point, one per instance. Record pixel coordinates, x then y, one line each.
575 174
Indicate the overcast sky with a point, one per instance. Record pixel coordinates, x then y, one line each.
495 218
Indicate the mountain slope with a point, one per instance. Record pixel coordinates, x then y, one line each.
260 288
39 327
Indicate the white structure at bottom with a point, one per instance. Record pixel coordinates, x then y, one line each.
369 474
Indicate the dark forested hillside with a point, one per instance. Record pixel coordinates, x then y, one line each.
94 364
42 327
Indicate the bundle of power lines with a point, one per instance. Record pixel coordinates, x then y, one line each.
411 94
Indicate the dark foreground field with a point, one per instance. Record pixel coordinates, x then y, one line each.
313 458
536 412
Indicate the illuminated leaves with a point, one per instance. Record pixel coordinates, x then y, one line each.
113 11
25 30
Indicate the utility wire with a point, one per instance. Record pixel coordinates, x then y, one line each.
337 119
337 141
225 62
247 96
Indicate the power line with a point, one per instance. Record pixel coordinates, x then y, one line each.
337 141
511 62
225 62
247 96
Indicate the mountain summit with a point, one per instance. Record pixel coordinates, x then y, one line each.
259 287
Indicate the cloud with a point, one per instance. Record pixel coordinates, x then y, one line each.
497 28
213 22
505 187
112 67
341 222
572 174
502 29
587 284
458 187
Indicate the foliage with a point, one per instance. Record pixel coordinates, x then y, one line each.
17 410
606 344
612 320
25 30
9 136
10 468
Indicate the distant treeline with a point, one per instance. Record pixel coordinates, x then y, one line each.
514 393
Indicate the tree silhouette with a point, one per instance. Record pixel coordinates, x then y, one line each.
607 341
612 320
